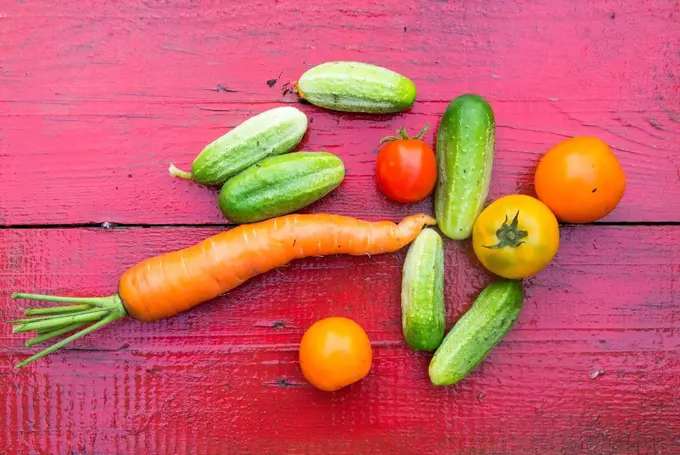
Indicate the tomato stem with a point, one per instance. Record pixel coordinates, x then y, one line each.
403 135
509 234
421 133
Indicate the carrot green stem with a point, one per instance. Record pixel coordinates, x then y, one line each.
86 316
110 318
45 330
59 320
56 309
54 333
52 316
175 172
98 301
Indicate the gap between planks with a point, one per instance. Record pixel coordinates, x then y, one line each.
107 226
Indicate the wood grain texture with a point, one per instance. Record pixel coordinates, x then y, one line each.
96 101
224 378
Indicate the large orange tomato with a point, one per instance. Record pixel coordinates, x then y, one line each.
580 179
335 352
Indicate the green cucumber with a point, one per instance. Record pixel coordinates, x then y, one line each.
356 87
477 332
269 133
423 316
280 185
465 151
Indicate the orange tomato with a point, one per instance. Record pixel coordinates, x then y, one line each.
580 179
335 352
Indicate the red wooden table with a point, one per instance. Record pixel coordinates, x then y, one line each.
96 100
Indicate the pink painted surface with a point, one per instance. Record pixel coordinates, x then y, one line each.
225 375
96 101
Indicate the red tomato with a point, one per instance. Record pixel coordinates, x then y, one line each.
406 170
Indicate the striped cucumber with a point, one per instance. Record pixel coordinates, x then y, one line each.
423 317
356 87
465 151
269 133
477 332
280 185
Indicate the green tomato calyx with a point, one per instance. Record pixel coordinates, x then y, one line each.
509 234
402 135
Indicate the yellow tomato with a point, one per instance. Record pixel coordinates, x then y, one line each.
516 236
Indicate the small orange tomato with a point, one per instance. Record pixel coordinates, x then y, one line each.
335 352
580 179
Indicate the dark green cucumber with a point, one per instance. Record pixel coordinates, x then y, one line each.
356 87
280 185
465 151
423 316
269 133
477 332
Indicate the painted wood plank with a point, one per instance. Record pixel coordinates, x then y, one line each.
224 378
96 102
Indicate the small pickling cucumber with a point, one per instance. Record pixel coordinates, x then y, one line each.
465 151
280 185
268 133
423 316
477 332
356 87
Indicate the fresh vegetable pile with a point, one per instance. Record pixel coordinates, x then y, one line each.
264 182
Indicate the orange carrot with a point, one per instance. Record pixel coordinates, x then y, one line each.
165 285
